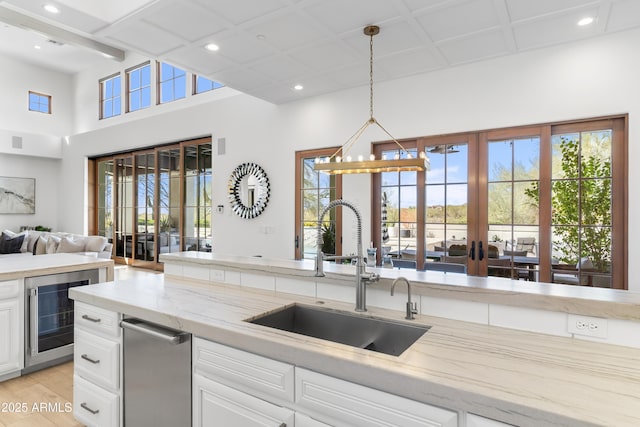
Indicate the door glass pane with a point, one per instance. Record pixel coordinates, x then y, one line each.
446 195
513 231
318 190
105 199
168 202
145 207
582 208
124 207
198 205
399 213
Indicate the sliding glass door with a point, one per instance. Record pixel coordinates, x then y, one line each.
156 201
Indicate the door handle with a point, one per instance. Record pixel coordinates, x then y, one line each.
91 319
472 251
90 359
297 242
480 251
169 335
86 407
33 321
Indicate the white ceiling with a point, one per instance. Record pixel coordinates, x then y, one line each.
268 46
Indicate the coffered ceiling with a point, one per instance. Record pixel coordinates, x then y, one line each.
266 47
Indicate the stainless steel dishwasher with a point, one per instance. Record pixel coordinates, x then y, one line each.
156 375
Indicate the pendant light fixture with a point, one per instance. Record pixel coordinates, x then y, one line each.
336 165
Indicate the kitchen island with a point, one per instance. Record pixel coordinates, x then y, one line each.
17 304
510 376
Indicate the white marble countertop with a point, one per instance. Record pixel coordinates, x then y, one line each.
518 377
15 267
609 303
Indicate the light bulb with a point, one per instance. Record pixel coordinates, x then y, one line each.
348 158
372 157
360 158
317 160
338 159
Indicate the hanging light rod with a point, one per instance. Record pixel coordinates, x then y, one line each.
403 161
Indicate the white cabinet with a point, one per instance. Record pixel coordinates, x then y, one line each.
96 356
343 403
94 406
305 421
478 421
233 387
11 327
215 404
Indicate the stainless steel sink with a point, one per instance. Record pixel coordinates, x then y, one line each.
370 333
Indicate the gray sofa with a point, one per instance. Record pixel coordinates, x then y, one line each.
42 242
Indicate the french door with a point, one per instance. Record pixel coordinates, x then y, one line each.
541 203
314 192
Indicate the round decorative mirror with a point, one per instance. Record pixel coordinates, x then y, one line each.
248 190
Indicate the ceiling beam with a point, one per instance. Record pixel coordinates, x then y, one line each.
58 34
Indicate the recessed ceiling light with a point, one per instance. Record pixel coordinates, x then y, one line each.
212 47
51 8
585 21
261 37
298 87
36 47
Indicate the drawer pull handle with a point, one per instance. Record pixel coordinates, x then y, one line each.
89 359
91 319
86 408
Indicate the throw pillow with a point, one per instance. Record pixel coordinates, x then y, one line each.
32 239
69 246
52 244
9 244
25 241
96 243
40 248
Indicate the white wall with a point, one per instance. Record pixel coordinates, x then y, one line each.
582 80
17 80
41 135
46 172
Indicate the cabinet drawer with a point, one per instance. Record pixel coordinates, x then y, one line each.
93 405
217 405
10 289
97 359
339 402
478 421
244 371
97 319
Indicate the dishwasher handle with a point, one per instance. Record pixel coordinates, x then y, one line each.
165 334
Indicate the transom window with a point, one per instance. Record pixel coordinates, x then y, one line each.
172 83
203 84
39 102
139 87
110 99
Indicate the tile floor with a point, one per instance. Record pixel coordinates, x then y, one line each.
44 398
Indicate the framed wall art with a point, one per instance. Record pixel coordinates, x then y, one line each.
17 195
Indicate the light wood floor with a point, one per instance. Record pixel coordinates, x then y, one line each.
48 387
46 395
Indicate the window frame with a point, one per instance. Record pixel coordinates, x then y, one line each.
102 99
160 81
128 91
194 85
40 96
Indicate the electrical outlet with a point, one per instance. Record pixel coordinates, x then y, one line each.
587 326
